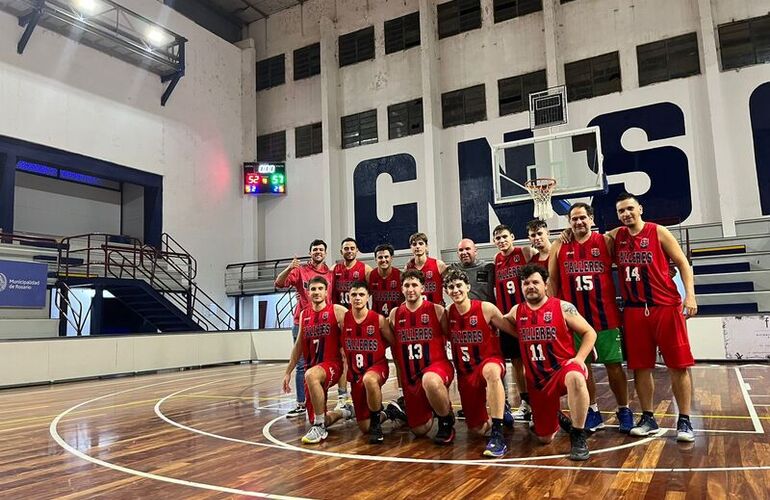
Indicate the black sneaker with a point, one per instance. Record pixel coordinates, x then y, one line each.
565 422
579 450
395 412
375 433
446 430
298 411
460 414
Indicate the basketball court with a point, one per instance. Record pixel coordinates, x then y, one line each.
221 431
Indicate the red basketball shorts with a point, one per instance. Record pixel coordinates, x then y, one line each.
659 327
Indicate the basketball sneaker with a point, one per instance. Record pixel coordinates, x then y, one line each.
395 412
315 435
342 400
460 414
684 432
523 413
645 426
594 420
579 449
298 411
625 419
375 433
508 416
446 430
348 412
496 446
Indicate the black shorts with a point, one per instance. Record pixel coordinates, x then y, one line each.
510 346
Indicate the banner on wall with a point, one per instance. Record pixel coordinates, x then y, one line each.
747 337
22 284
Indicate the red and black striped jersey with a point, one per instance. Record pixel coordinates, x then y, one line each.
363 344
419 341
434 283
545 341
473 339
507 283
643 268
585 280
386 292
320 336
343 278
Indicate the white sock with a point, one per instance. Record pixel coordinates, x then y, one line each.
319 420
622 406
595 407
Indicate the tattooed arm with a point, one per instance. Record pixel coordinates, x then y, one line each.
578 324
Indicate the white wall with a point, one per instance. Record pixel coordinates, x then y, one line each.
60 208
579 29
68 96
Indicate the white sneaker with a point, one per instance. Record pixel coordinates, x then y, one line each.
315 435
523 413
341 402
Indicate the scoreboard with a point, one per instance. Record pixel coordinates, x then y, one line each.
264 178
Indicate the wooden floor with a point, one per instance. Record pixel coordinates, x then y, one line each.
220 433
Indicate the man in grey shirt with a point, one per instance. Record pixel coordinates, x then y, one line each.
481 273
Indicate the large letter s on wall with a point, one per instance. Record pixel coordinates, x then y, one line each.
370 230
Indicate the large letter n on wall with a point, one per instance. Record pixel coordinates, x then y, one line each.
370 230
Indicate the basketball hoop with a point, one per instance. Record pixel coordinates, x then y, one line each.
541 190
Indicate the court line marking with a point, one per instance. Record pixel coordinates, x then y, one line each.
749 405
52 429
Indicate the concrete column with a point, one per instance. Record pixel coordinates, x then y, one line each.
723 155
331 177
432 211
554 65
253 246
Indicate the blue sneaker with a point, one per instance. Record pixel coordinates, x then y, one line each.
508 416
496 447
645 426
594 420
625 419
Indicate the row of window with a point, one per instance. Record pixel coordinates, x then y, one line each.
741 43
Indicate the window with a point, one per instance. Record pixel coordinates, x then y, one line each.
359 129
667 59
513 93
270 72
308 140
457 16
745 43
272 147
404 119
402 33
593 77
357 46
464 106
307 61
508 9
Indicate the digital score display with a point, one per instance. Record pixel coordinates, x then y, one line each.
264 178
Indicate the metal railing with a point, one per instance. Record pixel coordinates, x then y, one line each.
251 278
65 302
170 270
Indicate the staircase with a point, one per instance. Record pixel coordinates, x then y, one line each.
156 284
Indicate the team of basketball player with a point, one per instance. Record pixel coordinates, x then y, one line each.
557 300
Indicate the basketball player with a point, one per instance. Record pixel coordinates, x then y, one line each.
419 348
653 315
473 332
345 273
385 282
545 327
581 272
431 268
537 232
508 293
319 342
297 276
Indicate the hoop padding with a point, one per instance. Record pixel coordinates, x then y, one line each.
541 190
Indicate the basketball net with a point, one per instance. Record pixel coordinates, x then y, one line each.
541 190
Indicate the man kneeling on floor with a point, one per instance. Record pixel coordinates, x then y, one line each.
319 341
544 326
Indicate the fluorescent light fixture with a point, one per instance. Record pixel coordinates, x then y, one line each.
87 7
157 37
